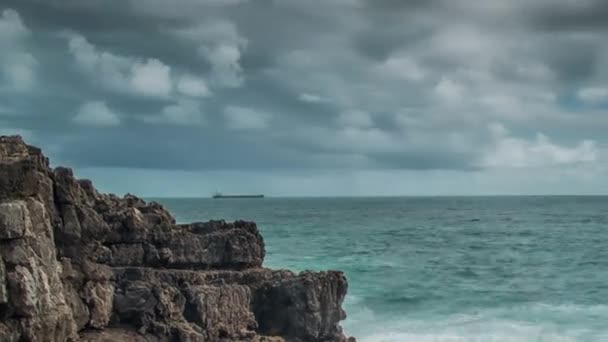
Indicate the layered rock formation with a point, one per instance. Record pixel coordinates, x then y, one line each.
78 265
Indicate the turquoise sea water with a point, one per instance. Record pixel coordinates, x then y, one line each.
484 269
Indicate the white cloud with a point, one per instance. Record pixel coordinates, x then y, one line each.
504 105
311 98
151 78
96 113
11 26
222 46
355 118
183 113
466 45
85 53
404 68
323 71
224 59
512 152
449 90
148 77
108 69
17 67
21 71
241 118
193 86
593 94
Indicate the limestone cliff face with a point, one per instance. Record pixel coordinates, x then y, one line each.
78 265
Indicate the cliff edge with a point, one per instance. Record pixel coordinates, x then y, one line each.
79 265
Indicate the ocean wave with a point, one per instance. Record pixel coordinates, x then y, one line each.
571 308
352 299
498 331
535 322
505 336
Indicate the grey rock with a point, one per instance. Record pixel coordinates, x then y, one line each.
306 307
135 303
127 255
23 292
99 297
80 311
113 335
10 331
3 289
79 265
171 303
222 311
14 220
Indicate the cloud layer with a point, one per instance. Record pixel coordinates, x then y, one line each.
356 85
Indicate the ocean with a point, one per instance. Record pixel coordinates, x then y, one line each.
443 269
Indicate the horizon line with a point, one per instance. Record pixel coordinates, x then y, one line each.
391 196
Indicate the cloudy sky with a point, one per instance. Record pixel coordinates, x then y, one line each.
291 97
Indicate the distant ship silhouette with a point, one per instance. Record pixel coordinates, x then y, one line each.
218 195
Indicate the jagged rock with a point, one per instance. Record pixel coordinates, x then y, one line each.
306 307
113 335
16 252
80 311
127 255
3 290
171 303
14 220
222 311
23 290
48 328
79 265
135 303
10 331
99 297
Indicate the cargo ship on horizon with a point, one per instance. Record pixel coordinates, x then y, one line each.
219 195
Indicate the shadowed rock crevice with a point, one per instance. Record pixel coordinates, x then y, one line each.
79 265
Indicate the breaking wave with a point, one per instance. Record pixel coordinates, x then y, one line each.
536 323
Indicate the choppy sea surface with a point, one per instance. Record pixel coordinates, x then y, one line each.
474 269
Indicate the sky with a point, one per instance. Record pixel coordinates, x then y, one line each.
312 98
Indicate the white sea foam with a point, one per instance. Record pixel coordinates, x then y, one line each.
351 299
598 309
459 337
485 326
484 332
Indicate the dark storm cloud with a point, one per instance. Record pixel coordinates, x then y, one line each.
575 61
588 15
85 16
184 149
210 84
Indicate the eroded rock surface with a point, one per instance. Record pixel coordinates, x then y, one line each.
79 265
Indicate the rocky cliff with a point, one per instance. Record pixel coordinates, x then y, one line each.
79 265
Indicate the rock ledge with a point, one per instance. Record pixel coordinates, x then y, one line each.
79 265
